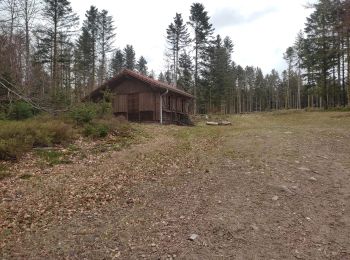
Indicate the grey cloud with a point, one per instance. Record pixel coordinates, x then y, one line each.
228 17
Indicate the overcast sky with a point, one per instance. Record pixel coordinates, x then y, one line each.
260 29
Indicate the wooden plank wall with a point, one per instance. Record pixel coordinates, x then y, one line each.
147 101
157 106
120 103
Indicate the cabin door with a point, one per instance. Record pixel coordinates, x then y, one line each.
133 107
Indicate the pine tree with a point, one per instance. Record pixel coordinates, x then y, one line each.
83 65
161 77
185 72
299 48
106 37
129 55
91 25
178 39
141 66
203 31
117 63
322 52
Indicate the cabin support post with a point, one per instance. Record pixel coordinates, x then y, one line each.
161 106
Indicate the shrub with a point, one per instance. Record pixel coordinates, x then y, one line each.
102 130
83 113
96 130
17 138
104 108
20 110
2 115
12 149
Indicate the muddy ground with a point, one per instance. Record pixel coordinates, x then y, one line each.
271 186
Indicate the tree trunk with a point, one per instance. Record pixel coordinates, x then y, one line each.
195 81
299 88
54 58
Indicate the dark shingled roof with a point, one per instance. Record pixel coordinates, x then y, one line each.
97 93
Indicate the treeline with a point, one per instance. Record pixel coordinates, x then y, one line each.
317 74
201 63
47 57
320 56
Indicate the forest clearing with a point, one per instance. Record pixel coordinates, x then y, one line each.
271 186
175 129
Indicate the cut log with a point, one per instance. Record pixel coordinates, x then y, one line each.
225 123
212 123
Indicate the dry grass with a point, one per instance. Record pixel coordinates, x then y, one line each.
145 200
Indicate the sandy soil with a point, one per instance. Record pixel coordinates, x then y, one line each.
271 186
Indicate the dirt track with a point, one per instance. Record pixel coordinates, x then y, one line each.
272 186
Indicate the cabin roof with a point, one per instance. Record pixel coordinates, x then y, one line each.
112 83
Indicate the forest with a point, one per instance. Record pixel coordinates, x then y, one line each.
50 61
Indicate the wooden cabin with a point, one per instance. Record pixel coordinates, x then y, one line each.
139 98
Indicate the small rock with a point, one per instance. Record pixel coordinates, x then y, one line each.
304 169
275 198
254 227
130 201
312 179
153 245
286 189
193 237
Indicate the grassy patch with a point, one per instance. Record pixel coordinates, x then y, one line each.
25 176
18 137
52 157
4 172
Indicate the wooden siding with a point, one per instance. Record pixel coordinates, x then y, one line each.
120 103
147 101
131 86
138 102
157 106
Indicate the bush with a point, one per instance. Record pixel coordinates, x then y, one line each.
20 110
96 130
2 115
17 138
12 149
104 108
86 112
83 113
